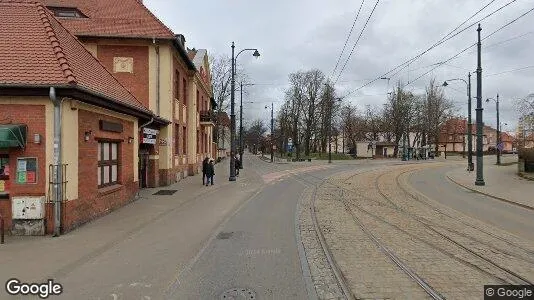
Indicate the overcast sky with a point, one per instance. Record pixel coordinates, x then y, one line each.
297 35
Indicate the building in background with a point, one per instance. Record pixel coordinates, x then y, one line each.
223 135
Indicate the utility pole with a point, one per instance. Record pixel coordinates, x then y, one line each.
272 132
241 128
232 120
498 134
470 166
331 97
480 159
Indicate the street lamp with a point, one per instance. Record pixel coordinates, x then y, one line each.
272 130
498 130
241 124
232 108
470 166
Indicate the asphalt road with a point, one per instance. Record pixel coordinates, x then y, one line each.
255 252
433 183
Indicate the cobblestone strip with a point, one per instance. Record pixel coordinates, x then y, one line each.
454 253
323 277
369 273
501 253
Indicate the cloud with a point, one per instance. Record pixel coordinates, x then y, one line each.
306 34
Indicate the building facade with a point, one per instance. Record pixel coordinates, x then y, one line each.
156 66
98 100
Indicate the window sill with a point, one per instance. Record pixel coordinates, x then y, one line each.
109 189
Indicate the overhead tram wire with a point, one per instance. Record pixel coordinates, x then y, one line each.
441 41
509 71
347 40
474 44
356 43
449 36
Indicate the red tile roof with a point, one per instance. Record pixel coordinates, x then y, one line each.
36 50
112 18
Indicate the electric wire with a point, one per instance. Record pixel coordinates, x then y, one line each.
464 50
347 40
441 41
356 43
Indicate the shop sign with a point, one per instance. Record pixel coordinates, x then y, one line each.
149 136
26 170
2 186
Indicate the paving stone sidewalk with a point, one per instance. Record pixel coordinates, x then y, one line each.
35 258
501 182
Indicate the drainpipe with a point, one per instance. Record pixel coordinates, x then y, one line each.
146 124
57 176
157 76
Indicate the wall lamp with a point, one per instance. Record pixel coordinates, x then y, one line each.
130 140
87 134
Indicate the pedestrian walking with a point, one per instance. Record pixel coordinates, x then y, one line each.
237 166
210 172
205 163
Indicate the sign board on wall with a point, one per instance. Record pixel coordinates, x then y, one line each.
149 136
26 170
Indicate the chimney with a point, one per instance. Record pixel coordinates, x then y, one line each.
180 38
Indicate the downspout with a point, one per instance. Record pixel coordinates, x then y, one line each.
146 124
157 76
57 169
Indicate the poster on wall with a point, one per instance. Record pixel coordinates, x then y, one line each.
149 136
2 186
26 170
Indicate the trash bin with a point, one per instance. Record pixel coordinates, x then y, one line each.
309 159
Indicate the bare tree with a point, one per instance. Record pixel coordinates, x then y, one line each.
221 75
312 83
352 125
399 110
437 110
254 136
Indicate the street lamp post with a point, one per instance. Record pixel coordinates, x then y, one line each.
232 110
241 125
470 166
272 131
498 129
480 158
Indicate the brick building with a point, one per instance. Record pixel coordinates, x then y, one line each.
156 66
51 86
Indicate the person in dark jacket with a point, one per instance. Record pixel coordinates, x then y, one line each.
210 172
205 163
237 166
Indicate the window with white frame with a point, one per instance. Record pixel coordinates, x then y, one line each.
108 163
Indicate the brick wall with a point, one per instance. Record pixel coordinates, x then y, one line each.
93 202
137 81
34 117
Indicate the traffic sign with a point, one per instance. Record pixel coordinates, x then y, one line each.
500 146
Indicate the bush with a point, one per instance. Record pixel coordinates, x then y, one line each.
527 154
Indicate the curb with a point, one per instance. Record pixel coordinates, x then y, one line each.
489 195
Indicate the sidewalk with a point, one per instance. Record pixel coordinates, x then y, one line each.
501 182
37 258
